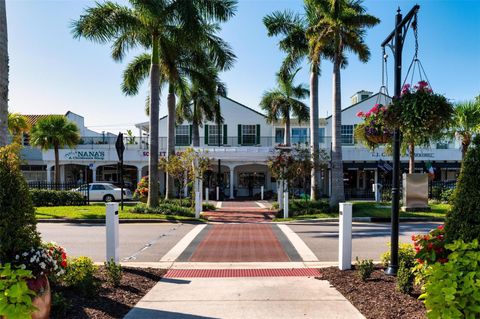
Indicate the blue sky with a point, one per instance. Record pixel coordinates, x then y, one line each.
50 72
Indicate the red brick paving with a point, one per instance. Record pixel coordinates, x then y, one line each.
232 273
239 216
240 243
240 204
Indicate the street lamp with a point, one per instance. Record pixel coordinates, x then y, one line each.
395 42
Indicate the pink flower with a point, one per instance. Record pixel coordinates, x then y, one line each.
360 114
368 114
441 227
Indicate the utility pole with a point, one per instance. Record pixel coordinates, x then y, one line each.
398 37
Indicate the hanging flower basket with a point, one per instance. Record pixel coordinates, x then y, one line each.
373 131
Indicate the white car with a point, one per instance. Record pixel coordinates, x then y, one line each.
104 192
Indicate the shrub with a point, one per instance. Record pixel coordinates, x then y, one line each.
406 254
47 197
141 193
164 209
15 296
404 278
365 268
430 248
447 195
60 305
18 231
114 272
80 275
452 289
463 220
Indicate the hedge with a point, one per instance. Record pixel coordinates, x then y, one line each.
45 197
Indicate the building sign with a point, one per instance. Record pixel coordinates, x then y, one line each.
85 155
417 155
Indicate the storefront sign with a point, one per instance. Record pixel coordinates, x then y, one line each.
85 155
378 154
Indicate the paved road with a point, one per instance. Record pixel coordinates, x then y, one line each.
138 242
149 242
370 240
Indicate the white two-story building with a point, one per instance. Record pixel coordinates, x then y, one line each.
239 148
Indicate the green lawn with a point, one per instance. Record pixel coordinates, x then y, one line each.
382 210
96 211
370 209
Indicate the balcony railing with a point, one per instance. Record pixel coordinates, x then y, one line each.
135 143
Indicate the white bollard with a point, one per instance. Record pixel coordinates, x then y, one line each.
285 205
280 195
218 193
198 205
207 191
345 237
112 231
261 192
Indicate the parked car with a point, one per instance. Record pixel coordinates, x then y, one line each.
106 192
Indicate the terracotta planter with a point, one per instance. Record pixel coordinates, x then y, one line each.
43 299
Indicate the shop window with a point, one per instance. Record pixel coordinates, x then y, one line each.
347 134
215 134
248 179
299 135
249 134
182 135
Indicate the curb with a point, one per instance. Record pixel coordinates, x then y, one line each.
121 221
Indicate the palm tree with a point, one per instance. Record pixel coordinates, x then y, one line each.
55 131
17 126
466 123
295 42
167 29
284 101
3 75
200 104
342 27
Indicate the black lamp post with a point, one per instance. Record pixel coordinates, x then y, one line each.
395 41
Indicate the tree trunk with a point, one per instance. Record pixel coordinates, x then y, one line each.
315 174
411 162
286 139
465 146
153 187
195 127
337 194
57 166
171 135
3 75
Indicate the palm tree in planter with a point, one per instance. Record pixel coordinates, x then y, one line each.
285 101
200 103
55 131
466 123
167 29
341 26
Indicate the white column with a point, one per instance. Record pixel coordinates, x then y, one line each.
232 181
345 237
185 189
285 202
94 173
49 173
62 174
280 194
111 224
139 173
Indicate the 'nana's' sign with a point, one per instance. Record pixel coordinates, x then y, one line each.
85 155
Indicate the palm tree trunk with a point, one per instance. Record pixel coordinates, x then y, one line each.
286 139
195 127
171 135
314 180
465 145
3 75
154 115
411 162
57 166
337 194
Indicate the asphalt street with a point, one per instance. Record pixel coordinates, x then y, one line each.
149 242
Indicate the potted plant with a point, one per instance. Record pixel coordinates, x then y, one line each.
373 131
47 260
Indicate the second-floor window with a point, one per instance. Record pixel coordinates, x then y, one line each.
347 134
182 135
215 134
299 135
249 134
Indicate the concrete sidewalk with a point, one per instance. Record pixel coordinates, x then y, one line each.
246 298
